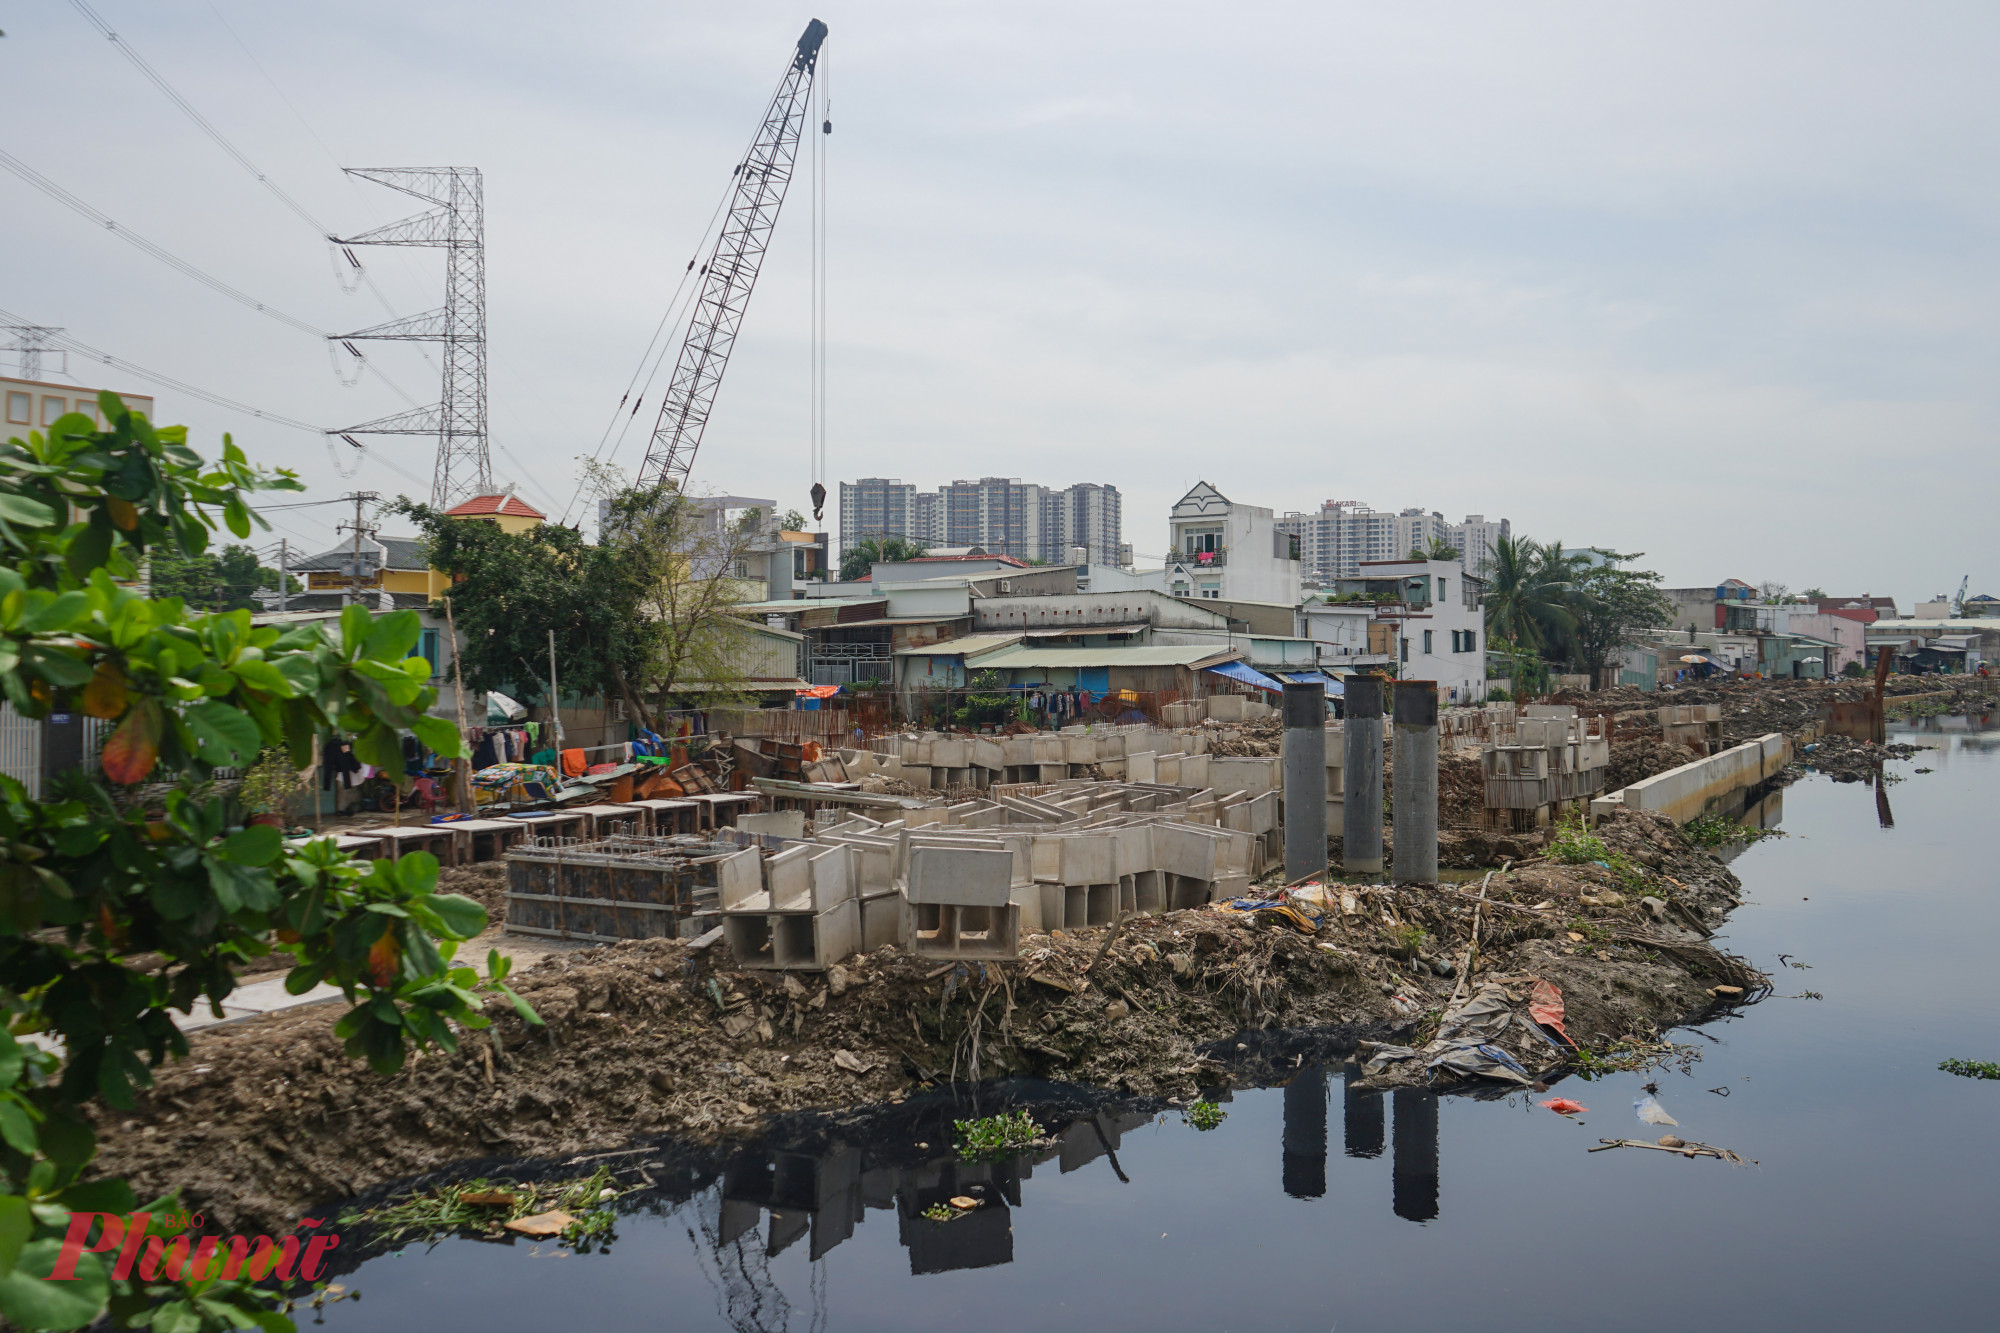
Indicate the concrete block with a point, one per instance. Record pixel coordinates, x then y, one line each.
973 876
1149 891
1087 859
953 930
1226 707
1052 772
1142 766
788 879
738 877
1017 751
988 753
783 823
1110 745
1048 749
1079 749
833 877
1251 774
1194 770
951 752
882 920
1134 844
1167 770
1185 891
1186 852
816 942
916 752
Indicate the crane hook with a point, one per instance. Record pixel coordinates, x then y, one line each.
819 500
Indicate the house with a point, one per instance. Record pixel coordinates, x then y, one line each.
1927 644
1865 608
1218 549
1426 618
1701 608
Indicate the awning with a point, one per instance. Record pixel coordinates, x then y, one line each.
1247 675
818 691
1334 688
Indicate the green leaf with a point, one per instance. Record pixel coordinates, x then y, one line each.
17 1127
16 1225
58 668
30 1301
263 676
88 550
60 613
393 636
12 1058
254 845
224 735
99 1196
354 625
28 513
463 918
440 735
520 1005
418 872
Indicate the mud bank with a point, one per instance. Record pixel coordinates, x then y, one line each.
652 1038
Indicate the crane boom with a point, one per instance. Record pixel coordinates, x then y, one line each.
731 271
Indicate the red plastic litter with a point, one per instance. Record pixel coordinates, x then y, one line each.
1545 1006
1564 1106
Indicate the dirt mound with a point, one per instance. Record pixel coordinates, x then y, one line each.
484 883
1264 736
1847 760
1643 758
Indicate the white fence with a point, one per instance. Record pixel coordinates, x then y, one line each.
21 747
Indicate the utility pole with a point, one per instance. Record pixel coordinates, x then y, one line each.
462 768
360 498
282 576
555 715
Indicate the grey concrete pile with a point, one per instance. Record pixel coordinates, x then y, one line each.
936 760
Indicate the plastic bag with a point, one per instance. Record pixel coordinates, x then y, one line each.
1564 1106
1649 1111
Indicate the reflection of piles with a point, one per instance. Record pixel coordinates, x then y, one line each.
1305 1135
1365 1123
825 1196
1416 1161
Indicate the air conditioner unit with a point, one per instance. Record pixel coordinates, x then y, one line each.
1006 585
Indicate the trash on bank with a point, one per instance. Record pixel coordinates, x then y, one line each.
542 1224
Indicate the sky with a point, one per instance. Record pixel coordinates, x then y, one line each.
1711 282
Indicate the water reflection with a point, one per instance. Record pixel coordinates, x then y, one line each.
1305 1135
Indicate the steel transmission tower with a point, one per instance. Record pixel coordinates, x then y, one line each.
31 344
458 225
731 271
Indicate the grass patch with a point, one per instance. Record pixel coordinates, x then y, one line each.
1204 1115
1628 1056
1713 831
1406 941
452 1210
995 1135
1971 1068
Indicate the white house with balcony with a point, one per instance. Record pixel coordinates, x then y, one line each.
1218 549
1425 619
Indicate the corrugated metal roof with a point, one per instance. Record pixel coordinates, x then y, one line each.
1147 655
970 645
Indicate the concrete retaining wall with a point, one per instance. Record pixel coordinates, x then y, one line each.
1686 792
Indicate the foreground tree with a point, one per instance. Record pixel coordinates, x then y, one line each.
856 563
1527 595
120 903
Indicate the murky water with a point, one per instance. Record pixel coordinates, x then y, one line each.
1875 1204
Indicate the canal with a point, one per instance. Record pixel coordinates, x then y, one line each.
1872 1203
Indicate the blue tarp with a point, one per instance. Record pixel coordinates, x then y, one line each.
1248 675
1334 689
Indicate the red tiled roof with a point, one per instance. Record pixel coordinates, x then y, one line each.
513 506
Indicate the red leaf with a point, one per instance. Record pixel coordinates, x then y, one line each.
135 747
382 959
105 695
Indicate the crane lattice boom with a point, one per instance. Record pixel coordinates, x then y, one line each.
731 271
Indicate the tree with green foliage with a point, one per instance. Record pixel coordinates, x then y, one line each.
1439 549
648 610
1527 595
869 550
121 903
1610 605
224 581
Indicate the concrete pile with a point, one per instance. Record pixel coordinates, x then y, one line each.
935 761
1698 727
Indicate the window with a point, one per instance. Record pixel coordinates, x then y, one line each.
1180 590
21 409
52 407
427 648
1441 586
1212 590
1405 650
1427 642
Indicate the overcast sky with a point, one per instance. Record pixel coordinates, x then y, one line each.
1714 282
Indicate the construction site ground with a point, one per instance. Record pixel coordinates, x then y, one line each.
268 1116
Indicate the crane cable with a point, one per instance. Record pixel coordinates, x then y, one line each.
816 446
678 305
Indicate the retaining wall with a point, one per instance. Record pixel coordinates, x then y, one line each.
1692 789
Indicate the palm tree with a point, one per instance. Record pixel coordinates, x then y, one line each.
1528 588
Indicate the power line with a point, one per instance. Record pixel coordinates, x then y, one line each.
201 121
76 205
84 349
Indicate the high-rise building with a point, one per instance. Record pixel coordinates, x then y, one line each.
1003 515
1341 535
